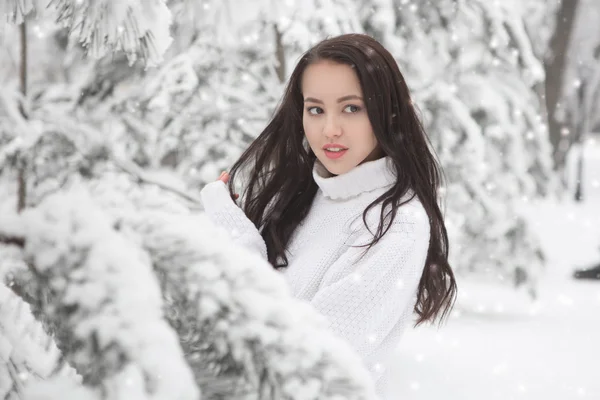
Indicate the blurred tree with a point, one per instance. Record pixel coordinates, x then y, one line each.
556 65
484 118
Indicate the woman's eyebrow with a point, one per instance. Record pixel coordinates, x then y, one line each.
341 99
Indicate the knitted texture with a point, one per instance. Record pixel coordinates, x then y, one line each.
369 298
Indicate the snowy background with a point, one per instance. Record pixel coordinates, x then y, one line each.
500 345
114 114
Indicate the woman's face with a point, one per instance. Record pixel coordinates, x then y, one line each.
335 118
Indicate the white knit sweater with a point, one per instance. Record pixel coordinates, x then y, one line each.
368 302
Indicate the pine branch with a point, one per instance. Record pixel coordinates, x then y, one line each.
12 240
237 321
84 138
103 299
26 350
138 28
17 10
135 171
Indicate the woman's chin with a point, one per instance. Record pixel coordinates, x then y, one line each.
337 167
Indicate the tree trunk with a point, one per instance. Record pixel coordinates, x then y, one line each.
21 163
555 66
280 54
579 179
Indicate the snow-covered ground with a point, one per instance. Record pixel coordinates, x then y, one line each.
499 345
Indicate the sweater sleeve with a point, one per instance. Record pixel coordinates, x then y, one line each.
222 210
365 299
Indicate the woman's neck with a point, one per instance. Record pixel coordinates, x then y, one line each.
365 177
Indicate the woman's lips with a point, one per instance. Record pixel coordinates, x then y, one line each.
335 154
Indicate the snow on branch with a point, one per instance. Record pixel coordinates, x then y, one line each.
235 313
27 353
507 22
140 28
104 300
16 10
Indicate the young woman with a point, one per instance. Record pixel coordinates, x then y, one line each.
341 195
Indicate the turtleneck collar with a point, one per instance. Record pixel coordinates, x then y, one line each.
365 177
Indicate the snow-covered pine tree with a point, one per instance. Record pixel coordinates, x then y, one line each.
242 54
241 328
472 70
103 299
82 263
243 334
138 28
222 79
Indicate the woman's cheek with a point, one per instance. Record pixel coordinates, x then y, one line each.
310 128
309 132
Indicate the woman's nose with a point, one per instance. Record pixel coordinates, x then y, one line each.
332 128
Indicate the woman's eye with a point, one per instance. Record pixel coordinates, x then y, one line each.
315 110
351 108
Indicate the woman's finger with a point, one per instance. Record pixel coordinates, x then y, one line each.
224 177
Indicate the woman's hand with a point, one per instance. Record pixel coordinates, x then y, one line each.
224 177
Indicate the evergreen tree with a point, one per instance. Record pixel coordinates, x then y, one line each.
100 273
473 72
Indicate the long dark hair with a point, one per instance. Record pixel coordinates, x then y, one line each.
280 188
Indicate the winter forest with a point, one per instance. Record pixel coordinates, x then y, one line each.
115 113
